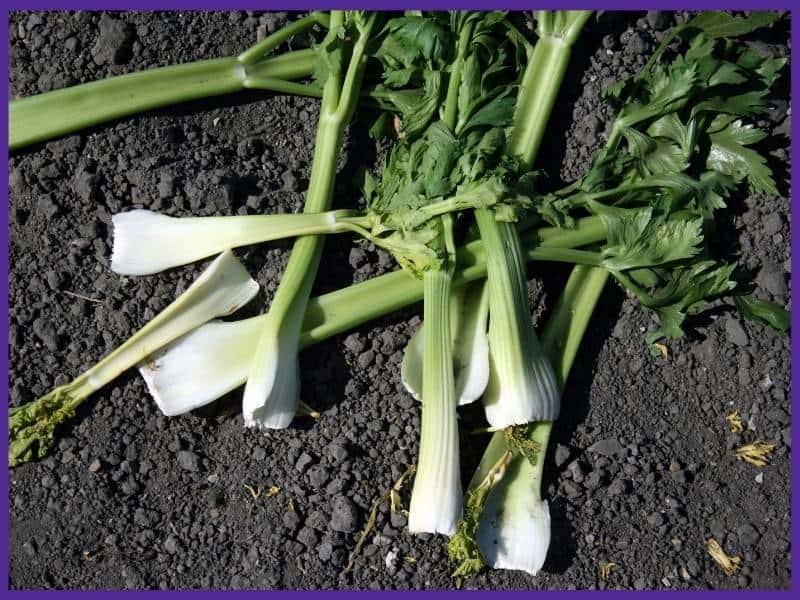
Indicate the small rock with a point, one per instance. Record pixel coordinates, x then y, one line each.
33 21
658 19
325 550
95 466
398 520
608 447
735 332
773 223
337 452
571 490
706 351
85 186
748 535
344 516
166 186
30 548
46 332
303 462
47 206
353 341
113 46
561 455
619 487
308 537
259 453
636 45
189 461
594 480
656 519
365 359
319 476
291 520
693 567
171 544
771 278
129 487
289 182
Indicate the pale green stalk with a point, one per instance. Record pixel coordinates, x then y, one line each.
146 242
506 521
52 114
220 290
522 386
436 496
272 391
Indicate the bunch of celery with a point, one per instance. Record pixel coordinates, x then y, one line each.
473 97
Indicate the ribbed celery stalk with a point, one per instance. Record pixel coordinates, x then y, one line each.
272 391
220 290
506 523
146 242
44 116
543 76
522 386
468 315
436 497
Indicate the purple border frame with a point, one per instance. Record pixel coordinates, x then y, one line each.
391 4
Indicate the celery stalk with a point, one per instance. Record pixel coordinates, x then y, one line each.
272 391
468 316
436 496
522 385
146 242
220 290
44 116
506 521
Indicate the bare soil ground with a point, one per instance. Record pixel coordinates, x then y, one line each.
641 470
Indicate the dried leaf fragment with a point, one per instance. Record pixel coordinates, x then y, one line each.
662 349
757 453
393 495
729 564
735 421
605 570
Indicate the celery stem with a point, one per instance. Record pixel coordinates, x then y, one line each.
44 116
538 93
436 497
269 43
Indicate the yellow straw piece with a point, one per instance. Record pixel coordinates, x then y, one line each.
605 570
735 421
756 453
729 564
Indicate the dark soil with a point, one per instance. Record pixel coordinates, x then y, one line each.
641 472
